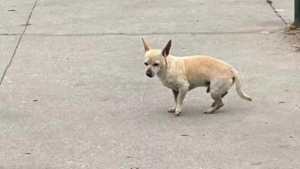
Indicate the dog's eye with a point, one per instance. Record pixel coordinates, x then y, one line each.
155 64
146 63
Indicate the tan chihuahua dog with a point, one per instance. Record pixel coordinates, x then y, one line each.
182 74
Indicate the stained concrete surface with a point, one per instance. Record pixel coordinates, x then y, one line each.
14 14
77 96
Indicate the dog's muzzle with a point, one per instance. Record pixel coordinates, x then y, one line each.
149 73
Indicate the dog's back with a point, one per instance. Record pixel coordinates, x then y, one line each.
204 68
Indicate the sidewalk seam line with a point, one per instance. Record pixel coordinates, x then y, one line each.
142 34
17 46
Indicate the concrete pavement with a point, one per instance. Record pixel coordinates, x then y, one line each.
76 94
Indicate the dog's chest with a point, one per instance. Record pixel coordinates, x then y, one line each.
170 82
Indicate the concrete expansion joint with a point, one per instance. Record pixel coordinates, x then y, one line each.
19 41
144 34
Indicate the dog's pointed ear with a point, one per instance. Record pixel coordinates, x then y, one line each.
145 45
165 51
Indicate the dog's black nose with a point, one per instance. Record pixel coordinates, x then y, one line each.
149 74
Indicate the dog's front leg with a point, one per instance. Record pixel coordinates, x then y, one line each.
181 94
175 94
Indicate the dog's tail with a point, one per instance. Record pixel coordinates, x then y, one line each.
238 85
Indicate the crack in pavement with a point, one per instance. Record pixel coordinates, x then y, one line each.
17 46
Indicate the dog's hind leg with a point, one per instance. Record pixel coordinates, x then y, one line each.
218 103
175 94
214 103
219 88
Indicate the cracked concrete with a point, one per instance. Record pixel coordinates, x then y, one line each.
18 43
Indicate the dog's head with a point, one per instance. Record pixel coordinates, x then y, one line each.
155 60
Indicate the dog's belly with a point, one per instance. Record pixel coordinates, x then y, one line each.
201 84
175 85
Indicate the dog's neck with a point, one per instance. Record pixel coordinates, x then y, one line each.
164 71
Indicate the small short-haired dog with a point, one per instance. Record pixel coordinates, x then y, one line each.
182 74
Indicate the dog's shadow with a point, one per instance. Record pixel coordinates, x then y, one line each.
195 112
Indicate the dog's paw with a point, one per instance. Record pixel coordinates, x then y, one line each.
177 112
209 111
172 110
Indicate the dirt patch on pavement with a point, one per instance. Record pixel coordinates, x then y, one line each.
293 35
